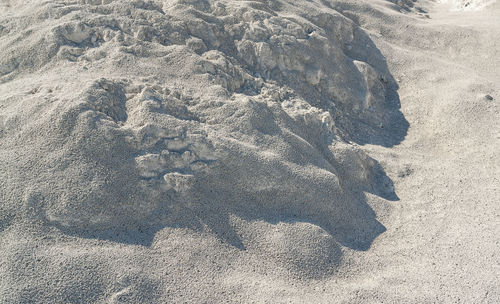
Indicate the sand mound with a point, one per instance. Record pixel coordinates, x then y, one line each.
126 116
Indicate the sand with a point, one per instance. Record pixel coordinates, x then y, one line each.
196 151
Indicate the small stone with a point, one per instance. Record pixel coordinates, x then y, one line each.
488 97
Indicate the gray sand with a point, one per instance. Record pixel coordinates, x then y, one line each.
211 151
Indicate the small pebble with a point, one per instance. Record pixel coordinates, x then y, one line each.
489 97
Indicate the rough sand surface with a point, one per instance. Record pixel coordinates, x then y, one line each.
249 151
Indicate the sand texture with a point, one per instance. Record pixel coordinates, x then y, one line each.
217 151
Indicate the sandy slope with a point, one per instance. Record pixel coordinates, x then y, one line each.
442 239
441 243
213 151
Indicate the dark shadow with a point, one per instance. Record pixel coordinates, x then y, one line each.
383 125
138 235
